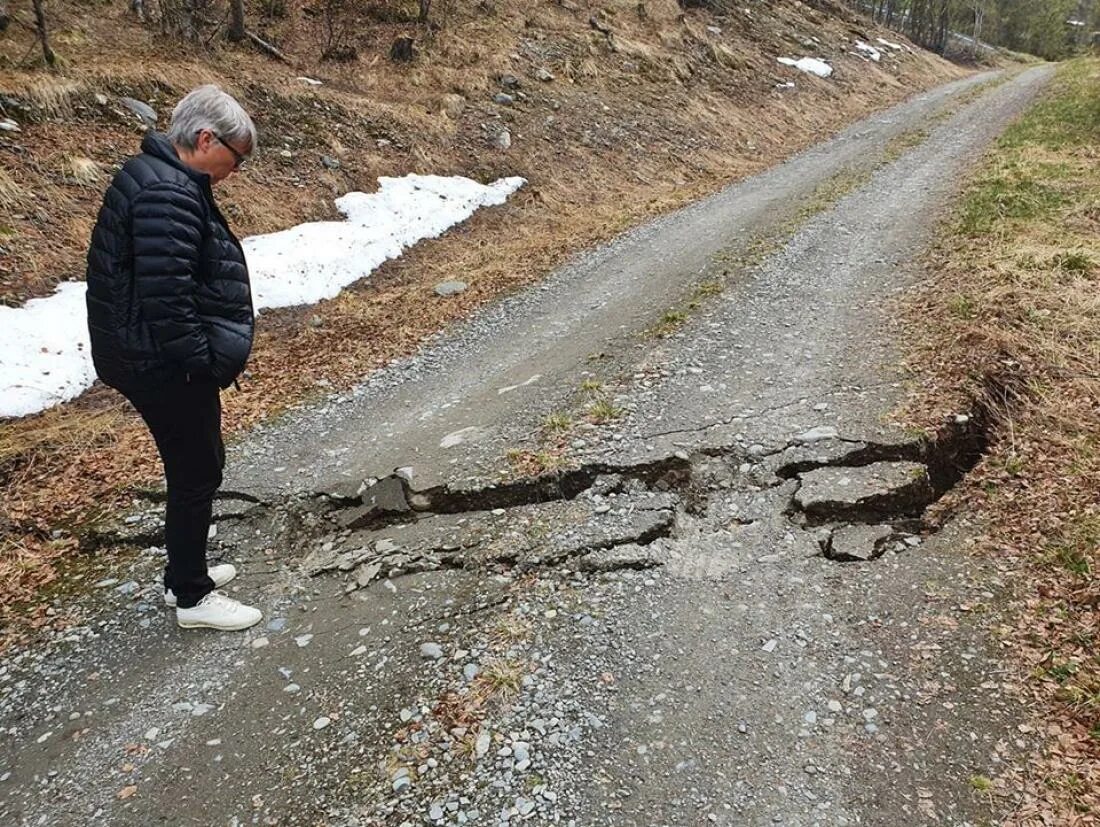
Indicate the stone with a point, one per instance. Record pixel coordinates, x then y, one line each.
481 746
367 572
544 74
144 111
322 722
431 651
452 105
857 543
626 556
387 496
328 162
509 81
260 643
450 288
100 98
292 689
435 812
8 125
883 489
470 671
504 99
816 434
503 139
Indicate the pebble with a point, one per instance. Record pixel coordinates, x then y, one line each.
835 706
292 688
431 651
435 813
482 745
276 624
303 640
469 671
322 722
260 643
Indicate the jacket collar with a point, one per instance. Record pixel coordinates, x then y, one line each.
158 145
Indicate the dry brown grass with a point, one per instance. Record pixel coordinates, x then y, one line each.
593 172
1016 304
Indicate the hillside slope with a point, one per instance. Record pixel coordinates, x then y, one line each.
617 111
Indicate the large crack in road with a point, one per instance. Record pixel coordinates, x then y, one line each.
726 607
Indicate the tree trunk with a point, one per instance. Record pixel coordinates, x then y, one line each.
236 21
402 50
979 18
5 18
43 35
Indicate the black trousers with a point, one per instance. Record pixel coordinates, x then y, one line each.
186 422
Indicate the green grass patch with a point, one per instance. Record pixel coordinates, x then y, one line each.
602 411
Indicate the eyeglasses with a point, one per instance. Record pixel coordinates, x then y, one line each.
238 158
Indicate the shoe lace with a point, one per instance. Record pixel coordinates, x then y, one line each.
222 601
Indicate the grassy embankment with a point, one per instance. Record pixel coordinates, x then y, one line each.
1014 305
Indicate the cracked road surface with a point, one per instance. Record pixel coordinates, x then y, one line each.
718 605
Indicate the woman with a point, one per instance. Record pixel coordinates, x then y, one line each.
171 322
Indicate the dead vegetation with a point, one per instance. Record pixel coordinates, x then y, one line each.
1016 335
610 127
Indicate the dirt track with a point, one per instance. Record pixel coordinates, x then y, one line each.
655 637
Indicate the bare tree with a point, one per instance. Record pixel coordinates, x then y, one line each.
43 34
237 31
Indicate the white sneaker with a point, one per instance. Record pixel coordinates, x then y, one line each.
220 574
217 611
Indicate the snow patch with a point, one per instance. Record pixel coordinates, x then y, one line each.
45 353
315 261
869 50
811 65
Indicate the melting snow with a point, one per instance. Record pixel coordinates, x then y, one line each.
45 355
869 50
808 64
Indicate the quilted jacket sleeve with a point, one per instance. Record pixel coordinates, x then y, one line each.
167 237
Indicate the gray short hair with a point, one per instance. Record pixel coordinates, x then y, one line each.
208 107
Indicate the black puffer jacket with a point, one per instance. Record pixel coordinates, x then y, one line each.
168 291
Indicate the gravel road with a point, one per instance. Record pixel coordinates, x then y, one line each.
723 608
